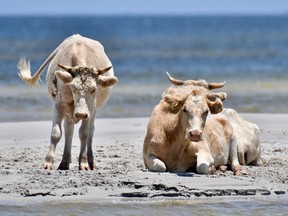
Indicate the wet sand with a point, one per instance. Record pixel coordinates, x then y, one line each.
121 174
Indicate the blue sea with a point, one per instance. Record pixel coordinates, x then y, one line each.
250 53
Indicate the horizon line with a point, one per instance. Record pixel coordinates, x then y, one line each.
148 14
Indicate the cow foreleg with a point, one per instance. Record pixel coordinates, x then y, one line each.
155 164
66 158
204 160
83 135
56 134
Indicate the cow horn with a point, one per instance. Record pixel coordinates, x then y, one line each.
102 71
174 81
66 68
215 85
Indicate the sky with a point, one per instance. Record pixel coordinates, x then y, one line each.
142 7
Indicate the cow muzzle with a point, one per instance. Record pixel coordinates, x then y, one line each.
81 111
195 135
81 116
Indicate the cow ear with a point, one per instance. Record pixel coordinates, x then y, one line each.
175 101
105 81
221 95
214 101
64 76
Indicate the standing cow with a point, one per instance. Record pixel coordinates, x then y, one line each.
79 80
179 135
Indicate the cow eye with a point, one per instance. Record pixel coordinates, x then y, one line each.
185 110
92 91
205 113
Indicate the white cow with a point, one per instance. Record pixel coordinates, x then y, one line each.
79 80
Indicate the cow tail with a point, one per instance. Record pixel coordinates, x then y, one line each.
25 71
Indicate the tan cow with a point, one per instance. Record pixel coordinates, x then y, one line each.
246 133
79 79
179 137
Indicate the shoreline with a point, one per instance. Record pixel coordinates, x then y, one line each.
121 175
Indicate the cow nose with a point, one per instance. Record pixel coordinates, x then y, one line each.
81 116
195 135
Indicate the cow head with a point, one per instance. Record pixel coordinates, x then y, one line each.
202 83
193 108
84 83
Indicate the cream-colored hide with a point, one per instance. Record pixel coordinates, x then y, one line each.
246 133
180 137
79 80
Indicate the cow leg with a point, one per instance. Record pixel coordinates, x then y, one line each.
155 164
83 135
204 160
233 158
91 162
66 158
55 137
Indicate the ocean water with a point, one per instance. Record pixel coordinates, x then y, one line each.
250 53
219 206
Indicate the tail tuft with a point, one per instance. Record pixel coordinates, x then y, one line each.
25 72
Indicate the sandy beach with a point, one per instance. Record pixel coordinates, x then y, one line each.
120 171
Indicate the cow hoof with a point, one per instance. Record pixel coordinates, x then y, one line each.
84 166
48 166
92 166
223 168
239 170
64 165
212 170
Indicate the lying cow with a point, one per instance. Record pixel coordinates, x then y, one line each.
179 136
79 79
246 133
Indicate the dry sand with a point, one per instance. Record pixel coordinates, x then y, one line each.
120 171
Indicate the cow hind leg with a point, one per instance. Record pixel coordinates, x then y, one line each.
155 164
233 158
